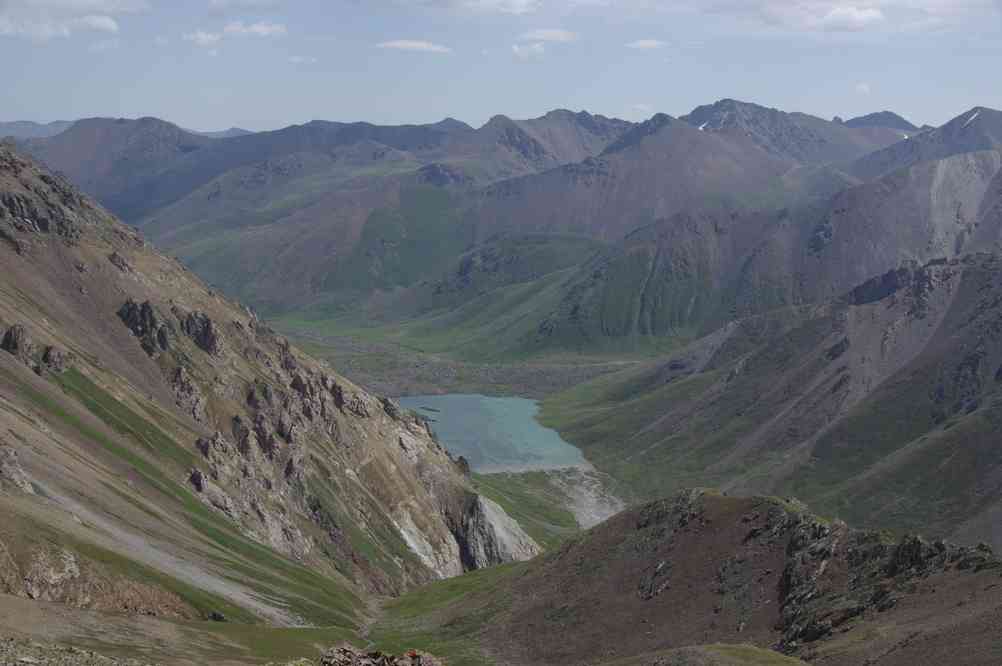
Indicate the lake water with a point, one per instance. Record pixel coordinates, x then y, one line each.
495 434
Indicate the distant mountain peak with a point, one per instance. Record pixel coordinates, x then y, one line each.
498 119
883 119
729 113
639 132
450 124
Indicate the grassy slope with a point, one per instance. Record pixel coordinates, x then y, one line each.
916 454
445 618
533 501
152 454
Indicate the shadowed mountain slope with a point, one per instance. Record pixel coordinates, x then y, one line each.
883 119
104 156
879 407
976 130
796 136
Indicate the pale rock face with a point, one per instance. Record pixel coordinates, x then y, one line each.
444 561
492 536
49 573
11 472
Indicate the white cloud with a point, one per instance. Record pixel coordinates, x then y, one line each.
548 35
785 15
528 51
47 19
822 16
863 88
414 45
646 44
302 60
516 7
202 38
854 15
259 29
97 22
218 6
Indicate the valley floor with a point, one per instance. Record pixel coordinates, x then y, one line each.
388 368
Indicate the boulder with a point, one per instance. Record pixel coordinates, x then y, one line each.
148 325
17 341
55 359
199 327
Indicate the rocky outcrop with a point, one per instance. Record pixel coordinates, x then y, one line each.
56 360
349 656
148 324
18 342
490 536
199 327
16 651
187 395
12 474
52 573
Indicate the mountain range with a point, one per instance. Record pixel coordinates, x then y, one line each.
789 307
163 452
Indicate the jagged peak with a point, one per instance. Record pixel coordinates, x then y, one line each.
639 132
973 115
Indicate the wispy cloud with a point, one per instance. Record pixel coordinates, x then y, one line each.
858 16
43 20
488 6
414 45
259 29
202 38
222 6
548 35
528 51
863 88
783 15
302 60
646 44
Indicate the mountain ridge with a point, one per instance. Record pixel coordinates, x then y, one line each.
190 440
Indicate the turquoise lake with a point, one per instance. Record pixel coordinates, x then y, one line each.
495 434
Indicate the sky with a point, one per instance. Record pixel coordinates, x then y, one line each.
266 64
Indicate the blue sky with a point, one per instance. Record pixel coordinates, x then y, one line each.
262 64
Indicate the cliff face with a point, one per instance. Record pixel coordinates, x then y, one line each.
132 390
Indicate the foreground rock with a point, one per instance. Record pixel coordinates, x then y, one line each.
15 652
348 656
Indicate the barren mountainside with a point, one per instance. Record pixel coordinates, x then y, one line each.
707 568
157 437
